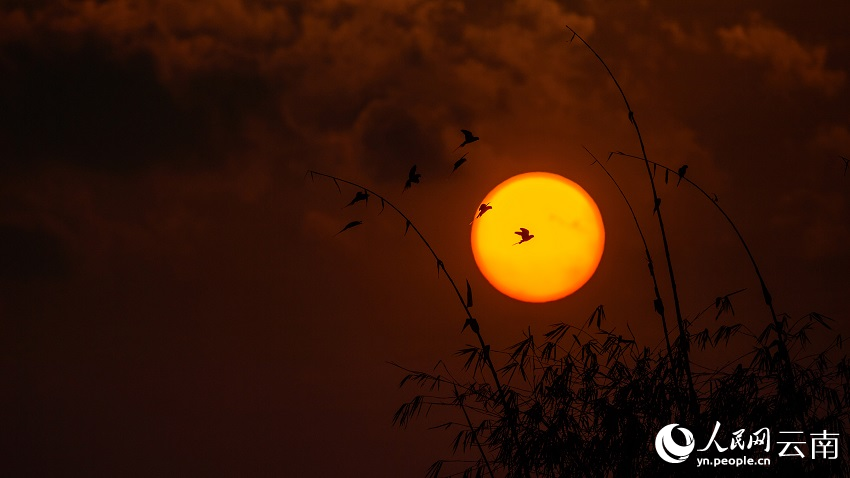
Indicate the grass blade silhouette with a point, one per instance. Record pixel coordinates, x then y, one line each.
692 396
506 405
658 304
787 379
360 196
349 226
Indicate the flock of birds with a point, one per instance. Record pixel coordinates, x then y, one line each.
413 177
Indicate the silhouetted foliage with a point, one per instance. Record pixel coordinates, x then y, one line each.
585 401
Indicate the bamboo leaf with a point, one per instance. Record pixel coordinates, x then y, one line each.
349 226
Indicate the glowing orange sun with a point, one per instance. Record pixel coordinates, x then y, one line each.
567 243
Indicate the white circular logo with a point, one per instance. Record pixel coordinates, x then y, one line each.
668 449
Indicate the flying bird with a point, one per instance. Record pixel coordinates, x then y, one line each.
846 163
468 137
682 171
481 210
412 177
349 226
524 235
360 196
459 162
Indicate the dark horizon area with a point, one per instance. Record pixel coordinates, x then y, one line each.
174 300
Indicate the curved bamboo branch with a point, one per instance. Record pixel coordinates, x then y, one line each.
683 344
646 249
779 325
470 320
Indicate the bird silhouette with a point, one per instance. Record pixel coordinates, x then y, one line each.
846 163
459 162
468 137
349 226
412 177
360 196
481 210
524 235
682 171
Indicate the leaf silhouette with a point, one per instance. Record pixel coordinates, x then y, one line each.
659 306
349 226
468 295
598 314
359 196
472 324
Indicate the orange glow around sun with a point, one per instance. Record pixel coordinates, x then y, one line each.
567 243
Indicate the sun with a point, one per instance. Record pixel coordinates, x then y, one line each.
566 247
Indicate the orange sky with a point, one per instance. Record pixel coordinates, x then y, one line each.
173 300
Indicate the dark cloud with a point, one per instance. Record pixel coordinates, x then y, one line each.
206 295
28 253
393 140
85 106
87 98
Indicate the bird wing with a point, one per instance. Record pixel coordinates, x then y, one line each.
466 133
518 233
412 171
523 230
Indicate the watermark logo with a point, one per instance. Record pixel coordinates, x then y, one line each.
823 445
668 449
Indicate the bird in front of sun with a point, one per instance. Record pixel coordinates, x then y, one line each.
468 137
481 210
412 177
524 235
568 236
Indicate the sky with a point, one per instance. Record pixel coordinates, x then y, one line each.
173 300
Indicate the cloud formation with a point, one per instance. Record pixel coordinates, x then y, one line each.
790 61
163 258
